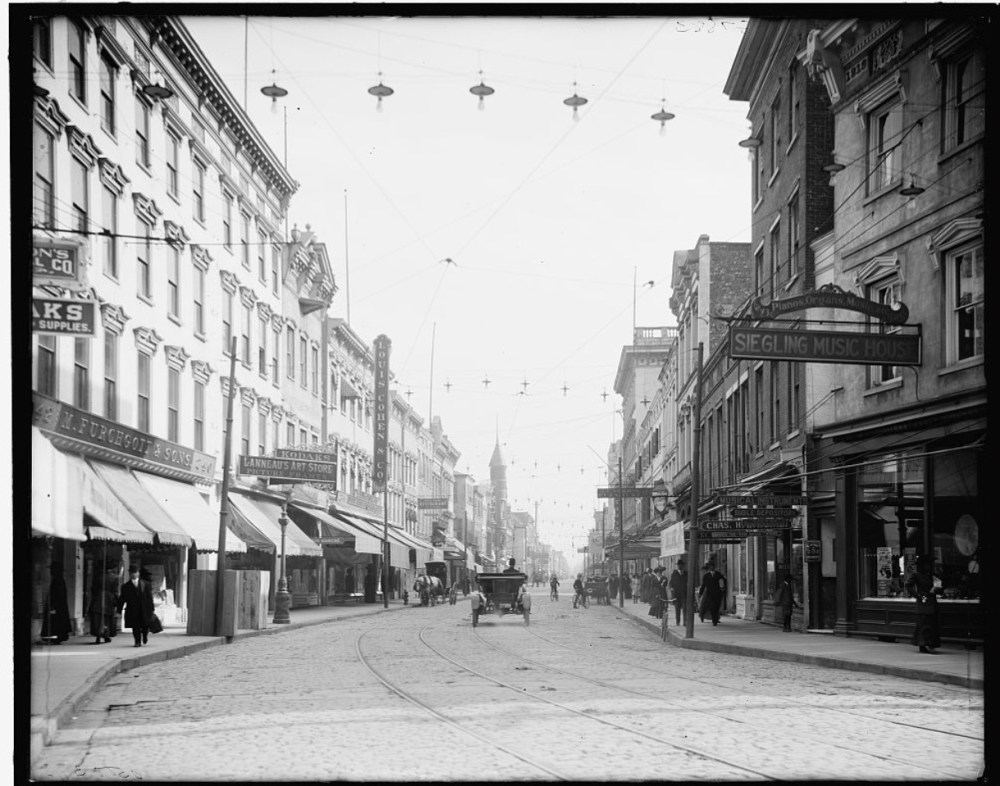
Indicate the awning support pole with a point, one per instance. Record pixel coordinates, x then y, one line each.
220 570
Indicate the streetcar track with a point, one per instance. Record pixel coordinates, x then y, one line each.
444 718
716 714
606 722
785 699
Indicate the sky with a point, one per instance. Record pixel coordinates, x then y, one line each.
508 242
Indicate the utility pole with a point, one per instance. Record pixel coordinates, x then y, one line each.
621 535
695 498
220 570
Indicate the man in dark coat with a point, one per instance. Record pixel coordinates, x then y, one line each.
646 585
711 592
679 591
57 627
136 597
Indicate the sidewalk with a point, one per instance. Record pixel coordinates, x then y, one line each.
952 664
65 676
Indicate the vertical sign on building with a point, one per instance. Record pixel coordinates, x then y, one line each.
381 450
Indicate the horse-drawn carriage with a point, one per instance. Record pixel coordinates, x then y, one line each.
501 593
429 589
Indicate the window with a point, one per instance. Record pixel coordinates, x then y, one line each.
261 433
775 251
227 323
141 132
262 256
79 182
775 401
275 376
43 207
774 148
109 243
965 99
173 404
81 373
886 293
43 41
245 431
303 437
303 360
275 269
77 62
793 101
966 305
198 191
885 129
46 371
315 371
227 221
277 433
198 285
110 375
756 174
262 346
142 388
290 352
173 163
760 278
245 337
759 398
290 435
245 240
108 75
174 281
794 370
143 254
199 415
793 236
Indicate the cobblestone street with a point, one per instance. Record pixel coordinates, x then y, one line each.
579 694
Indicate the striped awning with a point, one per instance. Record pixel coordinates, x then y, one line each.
185 505
264 515
141 504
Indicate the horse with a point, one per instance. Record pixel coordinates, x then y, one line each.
429 588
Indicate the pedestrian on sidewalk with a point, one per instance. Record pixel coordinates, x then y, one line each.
636 579
786 600
136 597
56 627
710 594
626 585
580 590
678 586
646 586
103 602
923 586
658 599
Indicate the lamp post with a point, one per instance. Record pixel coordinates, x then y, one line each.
282 598
695 494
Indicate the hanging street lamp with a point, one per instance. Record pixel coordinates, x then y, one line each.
274 92
482 90
380 91
663 116
576 102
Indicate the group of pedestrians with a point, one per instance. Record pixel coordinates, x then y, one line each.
661 591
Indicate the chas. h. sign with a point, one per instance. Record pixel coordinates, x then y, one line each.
381 449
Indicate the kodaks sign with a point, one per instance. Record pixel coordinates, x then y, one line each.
63 317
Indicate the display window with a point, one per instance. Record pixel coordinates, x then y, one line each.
956 536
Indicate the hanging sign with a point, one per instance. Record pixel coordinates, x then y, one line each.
306 455
380 463
824 346
432 503
612 492
830 296
292 470
778 500
63 317
813 550
58 262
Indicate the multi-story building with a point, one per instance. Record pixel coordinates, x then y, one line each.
500 536
904 448
147 162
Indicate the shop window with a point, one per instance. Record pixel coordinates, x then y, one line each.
890 523
958 519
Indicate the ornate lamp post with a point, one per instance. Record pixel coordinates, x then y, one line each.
282 598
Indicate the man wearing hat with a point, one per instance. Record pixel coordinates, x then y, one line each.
136 597
678 590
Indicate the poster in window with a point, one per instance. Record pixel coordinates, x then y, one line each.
883 558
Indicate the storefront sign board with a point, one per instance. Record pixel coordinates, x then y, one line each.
380 454
306 455
778 500
813 550
612 492
824 346
58 317
97 436
58 262
432 503
292 470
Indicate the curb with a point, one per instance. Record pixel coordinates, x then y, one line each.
813 660
44 728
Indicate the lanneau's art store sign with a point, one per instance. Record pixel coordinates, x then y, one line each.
902 347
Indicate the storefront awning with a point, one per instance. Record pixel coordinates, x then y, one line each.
146 509
248 533
264 515
365 542
399 548
424 550
52 478
329 527
186 506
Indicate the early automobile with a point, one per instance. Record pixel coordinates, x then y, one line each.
501 593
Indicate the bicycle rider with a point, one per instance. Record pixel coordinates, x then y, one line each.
554 591
580 590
